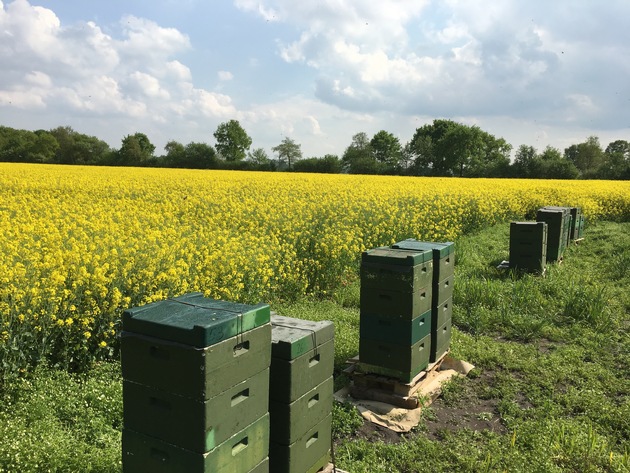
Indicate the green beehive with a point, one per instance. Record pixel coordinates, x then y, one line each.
577 223
528 245
302 356
199 373
244 451
394 330
443 255
291 421
441 314
558 225
403 362
194 320
192 424
306 455
384 268
440 341
395 304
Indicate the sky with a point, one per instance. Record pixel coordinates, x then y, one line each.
533 72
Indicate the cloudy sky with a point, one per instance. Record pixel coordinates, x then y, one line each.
534 72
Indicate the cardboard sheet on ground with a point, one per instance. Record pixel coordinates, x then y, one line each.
403 420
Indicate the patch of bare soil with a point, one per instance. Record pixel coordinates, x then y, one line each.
469 411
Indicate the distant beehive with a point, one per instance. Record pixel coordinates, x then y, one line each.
528 246
301 394
442 291
395 317
558 220
196 386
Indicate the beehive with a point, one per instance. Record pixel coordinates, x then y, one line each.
195 386
528 246
300 395
395 317
443 255
558 222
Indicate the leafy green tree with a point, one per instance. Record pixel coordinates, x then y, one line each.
288 152
386 148
175 154
616 161
260 160
447 148
27 146
78 148
586 156
524 161
200 156
136 150
328 164
232 141
358 158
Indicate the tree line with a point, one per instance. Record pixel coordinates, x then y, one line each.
442 148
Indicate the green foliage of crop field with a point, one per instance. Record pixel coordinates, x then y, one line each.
551 355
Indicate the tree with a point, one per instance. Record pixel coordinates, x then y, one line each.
358 158
136 150
77 148
616 161
524 161
260 160
586 156
27 146
329 164
288 152
232 141
386 148
447 148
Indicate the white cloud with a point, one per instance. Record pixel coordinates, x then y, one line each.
225 75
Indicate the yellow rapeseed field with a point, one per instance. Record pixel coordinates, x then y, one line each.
80 244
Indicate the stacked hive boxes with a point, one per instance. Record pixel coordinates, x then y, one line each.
577 223
528 246
442 291
301 394
395 318
196 387
558 220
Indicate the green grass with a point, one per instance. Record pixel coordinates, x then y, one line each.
551 355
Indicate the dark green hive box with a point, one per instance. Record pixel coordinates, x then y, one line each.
441 313
396 304
191 424
194 320
396 277
403 362
302 356
392 256
440 341
392 330
291 421
443 255
444 290
291 379
291 337
528 246
199 373
307 455
558 225
243 451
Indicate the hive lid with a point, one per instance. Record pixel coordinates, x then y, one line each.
387 255
193 319
292 337
439 250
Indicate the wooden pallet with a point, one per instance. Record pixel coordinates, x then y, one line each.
381 388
